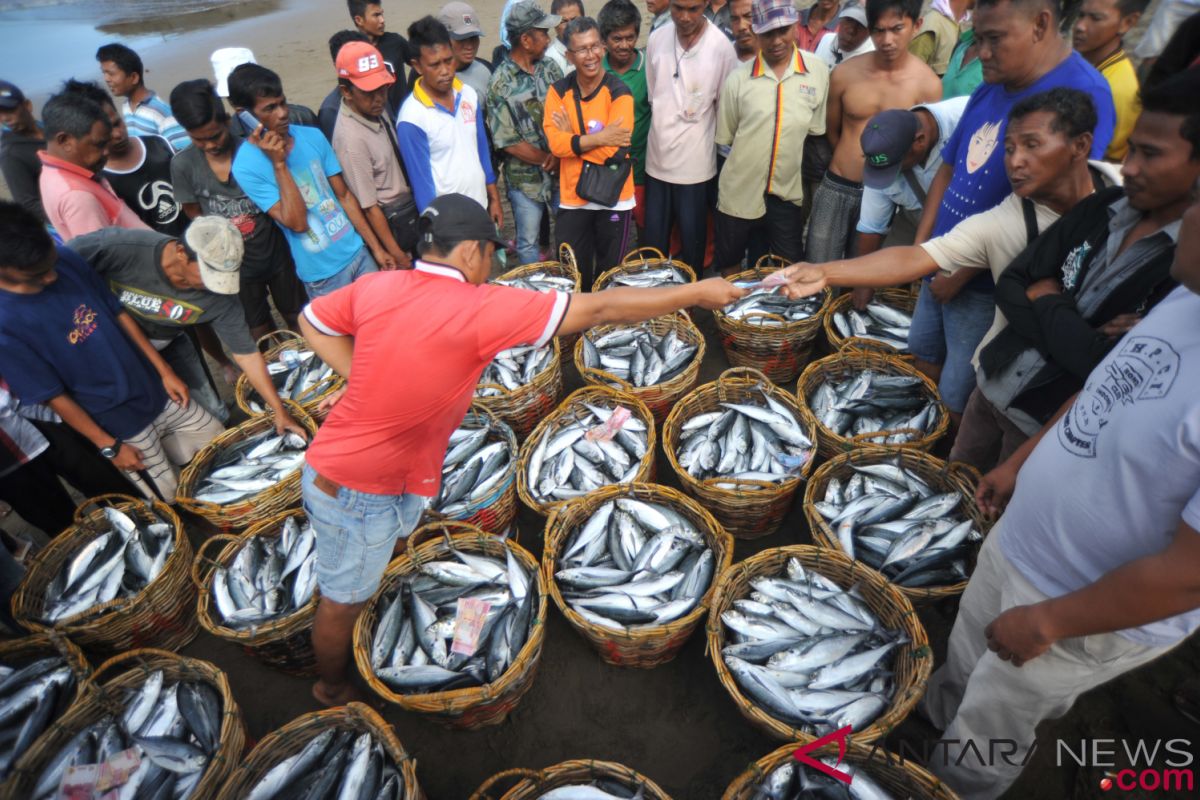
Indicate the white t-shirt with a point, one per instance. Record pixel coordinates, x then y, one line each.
828 50
1110 483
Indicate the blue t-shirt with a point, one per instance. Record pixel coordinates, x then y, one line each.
66 338
330 243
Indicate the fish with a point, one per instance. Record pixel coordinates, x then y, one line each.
299 375
477 461
665 275
539 282
894 408
637 355
269 578
513 368
769 307
877 322
792 780
600 789
810 653
644 564
586 447
123 558
759 439
240 471
34 693
336 764
899 525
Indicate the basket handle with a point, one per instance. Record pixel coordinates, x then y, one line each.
121 658
423 532
276 338
200 561
85 509
566 255
771 261
606 377
643 254
516 775
741 372
963 470
870 436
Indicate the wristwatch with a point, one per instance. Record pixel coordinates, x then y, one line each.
111 451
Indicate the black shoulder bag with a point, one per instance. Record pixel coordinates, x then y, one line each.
601 183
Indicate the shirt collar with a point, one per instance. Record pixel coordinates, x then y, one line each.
1122 217
638 65
424 98
347 111
66 166
761 68
1115 58
444 270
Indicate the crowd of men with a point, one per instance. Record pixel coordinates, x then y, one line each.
1005 155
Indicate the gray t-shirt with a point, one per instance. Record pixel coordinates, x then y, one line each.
131 262
1110 483
477 76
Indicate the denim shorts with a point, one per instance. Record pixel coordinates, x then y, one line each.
949 335
356 532
360 265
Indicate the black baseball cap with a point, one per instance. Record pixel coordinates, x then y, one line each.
458 218
886 140
10 96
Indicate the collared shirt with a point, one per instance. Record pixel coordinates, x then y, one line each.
660 19
763 121
78 201
557 52
720 18
384 441
960 81
830 50
879 205
635 79
153 117
445 150
805 39
370 163
1118 70
935 42
516 100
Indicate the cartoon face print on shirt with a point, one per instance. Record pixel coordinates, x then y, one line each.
983 144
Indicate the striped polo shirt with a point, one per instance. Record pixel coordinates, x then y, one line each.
154 118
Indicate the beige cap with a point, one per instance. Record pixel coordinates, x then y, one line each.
218 246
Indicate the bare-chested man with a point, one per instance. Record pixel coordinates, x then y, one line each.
861 87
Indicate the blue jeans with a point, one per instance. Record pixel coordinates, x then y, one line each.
948 335
356 532
685 205
360 265
187 362
527 219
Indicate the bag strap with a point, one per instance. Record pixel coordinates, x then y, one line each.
622 152
390 127
914 184
1031 223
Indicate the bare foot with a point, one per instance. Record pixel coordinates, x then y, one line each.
330 696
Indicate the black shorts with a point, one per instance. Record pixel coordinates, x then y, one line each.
286 290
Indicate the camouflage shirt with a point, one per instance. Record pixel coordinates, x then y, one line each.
516 101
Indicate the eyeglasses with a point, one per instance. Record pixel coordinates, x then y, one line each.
594 48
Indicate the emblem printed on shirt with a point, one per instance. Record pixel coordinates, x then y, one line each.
1144 368
468 112
159 197
1072 264
154 307
983 143
83 325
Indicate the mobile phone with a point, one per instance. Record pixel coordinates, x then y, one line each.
249 121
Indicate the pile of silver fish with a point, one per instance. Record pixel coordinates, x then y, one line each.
471 468
873 402
582 453
809 652
174 728
454 624
600 789
336 764
34 692
878 322
298 375
270 578
252 465
635 563
793 781
761 300
514 368
759 441
539 282
119 561
638 355
891 520
654 276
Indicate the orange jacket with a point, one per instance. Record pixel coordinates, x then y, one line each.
611 101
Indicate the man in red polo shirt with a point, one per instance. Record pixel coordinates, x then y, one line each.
412 344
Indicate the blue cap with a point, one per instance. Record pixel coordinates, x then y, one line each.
886 140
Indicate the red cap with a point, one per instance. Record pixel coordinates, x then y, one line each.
363 65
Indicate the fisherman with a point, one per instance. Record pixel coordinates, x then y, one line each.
377 461
21 138
146 114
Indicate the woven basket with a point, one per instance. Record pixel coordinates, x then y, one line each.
779 352
902 299
913 660
524 407
291 738
474 707
284 643
161 614
495 512
105 693
901 778
748 513
276 342
845 365
528 784
231 517
660 397
565 267
647 645
570 409
941 476
642 260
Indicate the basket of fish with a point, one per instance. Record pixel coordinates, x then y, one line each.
151 724
882 326
298 373
741 447
455 631
41 676
571 780
655 361
115 580
862 399
260 590
807 642
596 437
349 751
907 514
479 474
766 330
643 268
875 774
522 385
247 474
632 568
548 276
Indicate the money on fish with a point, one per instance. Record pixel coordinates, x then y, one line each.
897 407
810 653
120 560
269 579
878 322
473 466
336 764
34 692
635 563
513 368
665 275
765 305
794 781
250 466
637 355
890 519
582 450
298 375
